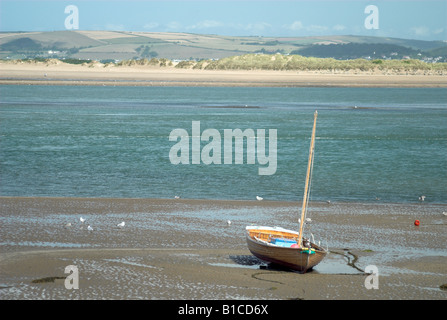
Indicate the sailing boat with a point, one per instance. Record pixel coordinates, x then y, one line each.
285 247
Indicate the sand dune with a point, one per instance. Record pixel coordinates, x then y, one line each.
58 73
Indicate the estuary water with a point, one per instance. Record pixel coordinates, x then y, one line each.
90 141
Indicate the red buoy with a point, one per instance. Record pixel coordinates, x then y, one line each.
416 222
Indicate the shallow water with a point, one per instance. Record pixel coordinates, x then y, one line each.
70 141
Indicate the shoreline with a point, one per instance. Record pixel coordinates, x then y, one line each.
79 75
232 201
184 249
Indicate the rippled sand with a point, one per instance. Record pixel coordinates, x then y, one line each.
184 249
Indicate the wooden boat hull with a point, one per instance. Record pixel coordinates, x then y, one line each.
298 259
285 247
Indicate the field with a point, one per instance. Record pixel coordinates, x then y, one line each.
120 45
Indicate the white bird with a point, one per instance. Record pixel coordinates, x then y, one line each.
121 224
68 225
259 198
229 222
176 197
445 214
89 228
307 220
421 198
82 219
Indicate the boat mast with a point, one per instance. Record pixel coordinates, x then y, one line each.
306 187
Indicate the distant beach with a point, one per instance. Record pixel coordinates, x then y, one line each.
165 251
58 73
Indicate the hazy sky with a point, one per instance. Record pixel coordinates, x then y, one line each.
411 19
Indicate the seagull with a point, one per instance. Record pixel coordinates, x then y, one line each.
229 222
89 228
121 224
82 219
176 197
259 198
445 214
68 225
421 198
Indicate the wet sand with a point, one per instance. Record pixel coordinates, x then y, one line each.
66 74
184 249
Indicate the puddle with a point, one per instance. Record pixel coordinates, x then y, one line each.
123 261
232 265
333 263
250 262
46 244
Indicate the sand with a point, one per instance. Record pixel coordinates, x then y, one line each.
58 73
184 249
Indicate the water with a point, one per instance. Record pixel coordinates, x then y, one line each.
81 141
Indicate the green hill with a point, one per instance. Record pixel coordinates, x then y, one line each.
114 45
356 50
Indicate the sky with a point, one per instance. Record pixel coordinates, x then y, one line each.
409 19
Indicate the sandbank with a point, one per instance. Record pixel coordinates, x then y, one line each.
100 75
184 249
